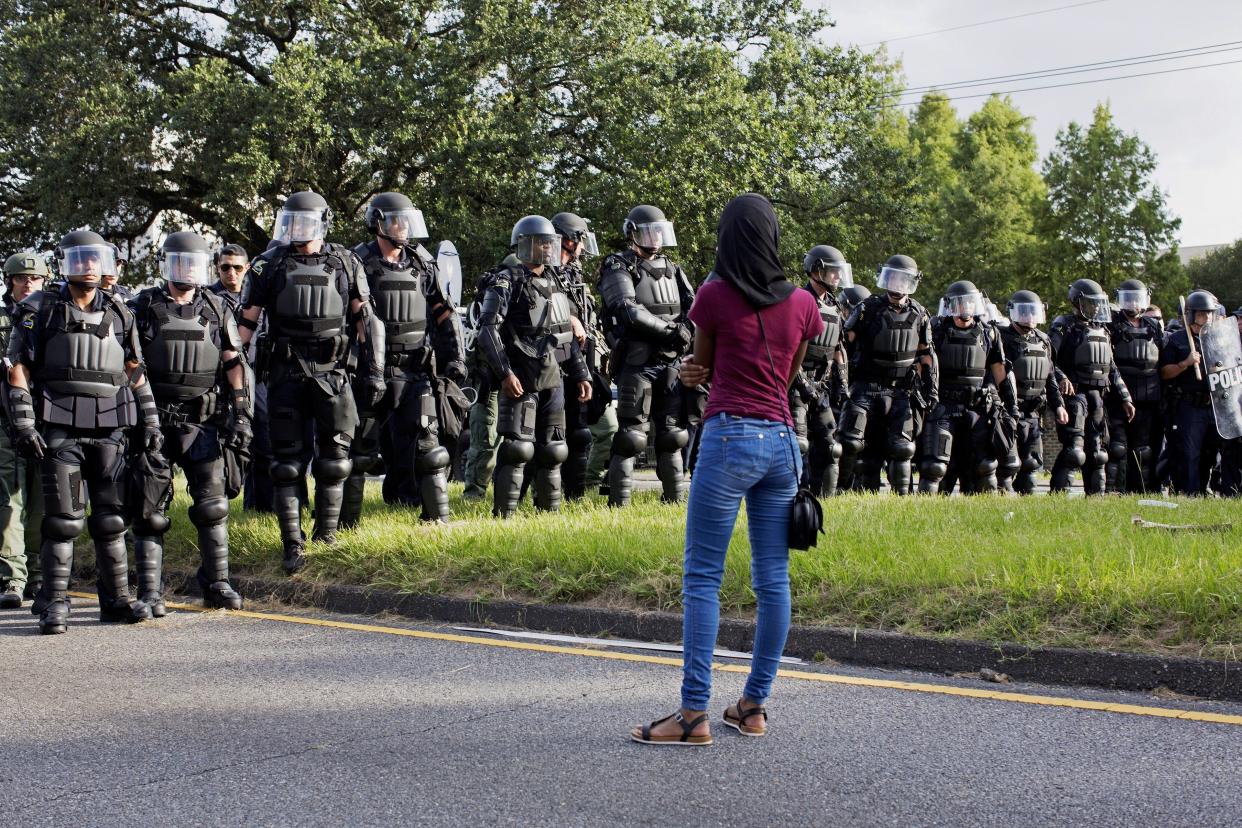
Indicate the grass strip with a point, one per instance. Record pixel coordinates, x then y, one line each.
1040 571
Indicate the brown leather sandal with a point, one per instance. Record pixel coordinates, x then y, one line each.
646 737
738 722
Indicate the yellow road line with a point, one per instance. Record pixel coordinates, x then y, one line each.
827 678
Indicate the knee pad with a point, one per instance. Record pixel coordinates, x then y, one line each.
106 524
363 463
432 461
579 438
59 527
282 472
834 451
629 443
155 525
209 512
1032 463
331 469
900 450
1143 455
1077 456
1116 451
1099 457
985 468
674 439
552 454
515 452
933 469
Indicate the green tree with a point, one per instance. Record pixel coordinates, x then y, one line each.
1220 272
1105 218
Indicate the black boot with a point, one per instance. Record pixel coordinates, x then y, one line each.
149 567
294 556
213 570
112 583
54 617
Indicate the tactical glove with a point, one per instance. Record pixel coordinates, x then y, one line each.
241 433
29 442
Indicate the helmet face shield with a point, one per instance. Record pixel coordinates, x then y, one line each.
1027 314
834 274
654 234
965 306
299 226
186 268
1134 301
1095 308
87 261
897 280
401 226
539 249
588 244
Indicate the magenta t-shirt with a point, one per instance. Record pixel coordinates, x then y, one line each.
742 383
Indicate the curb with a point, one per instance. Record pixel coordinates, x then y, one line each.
1204 678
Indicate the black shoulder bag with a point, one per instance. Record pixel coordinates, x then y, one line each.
806 515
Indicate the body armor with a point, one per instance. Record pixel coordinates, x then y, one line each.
400 302
1137 353
1093 357
181 349
1031 357
309 305
963 354
887 352
546 326
81 354
821 349
655 288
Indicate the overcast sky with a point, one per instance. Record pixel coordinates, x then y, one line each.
1192 120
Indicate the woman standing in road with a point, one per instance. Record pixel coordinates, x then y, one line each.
751 332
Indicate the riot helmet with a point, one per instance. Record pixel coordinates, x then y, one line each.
853 296
647 227
83 258
1133 297
835 272
963 300
185 259
1027 309
1090 301
899 275
574 228
535 242
1203 301
304 217
394 217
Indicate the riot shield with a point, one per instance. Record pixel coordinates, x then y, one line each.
1222 356
450 271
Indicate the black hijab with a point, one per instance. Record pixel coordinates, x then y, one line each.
746 251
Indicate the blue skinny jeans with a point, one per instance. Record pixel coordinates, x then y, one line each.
739 457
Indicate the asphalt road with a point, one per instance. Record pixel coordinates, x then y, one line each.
227 719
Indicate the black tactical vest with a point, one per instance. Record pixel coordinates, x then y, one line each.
181 348
400 300
310 302
655 288
544 323
1093 356
1137 353
1031 356
963 354
81 354
886 352
821 350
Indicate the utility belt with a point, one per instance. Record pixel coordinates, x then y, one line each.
318 355
1198 399
962 395
1030 406
189 412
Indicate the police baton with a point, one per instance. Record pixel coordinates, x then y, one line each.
1190 337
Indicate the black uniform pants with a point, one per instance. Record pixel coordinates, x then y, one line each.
1084 442
880 419
957 441
1134 445
531 427
649 396
1017 471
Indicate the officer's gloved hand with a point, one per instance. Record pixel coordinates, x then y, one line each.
373 389
456 371
29 442
242 431
152 437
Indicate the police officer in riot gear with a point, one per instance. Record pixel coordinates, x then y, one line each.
889 339
590 428
526 333
421 340
1134 444
192 350
1193 439
24 274
850 297
957 432
317 300
1037 379
823 381
1084 353
647 297
75 384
